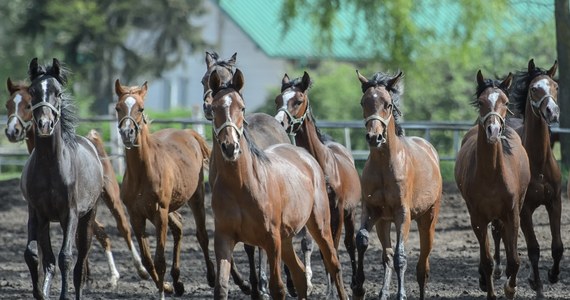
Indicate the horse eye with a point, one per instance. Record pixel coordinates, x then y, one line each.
533 90
59 94
297 102
141 109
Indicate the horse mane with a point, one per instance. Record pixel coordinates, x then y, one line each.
323 137
396 91
488 83
68 115
520 85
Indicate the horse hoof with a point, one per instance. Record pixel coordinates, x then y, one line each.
168 288
178 288
358 293
534 285
245 287
291 290
482 284
510 292
497 272
309 288
553 278
143 274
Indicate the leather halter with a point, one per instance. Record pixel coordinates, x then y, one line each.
294 121
55 110
537 104
384 121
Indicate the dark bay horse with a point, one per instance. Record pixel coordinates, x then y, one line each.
20 127
253 204
535 95
492 172
401 182
264 131
62 181
164 171
343 182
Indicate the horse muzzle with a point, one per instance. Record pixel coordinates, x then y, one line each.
128 136
15 133
375 140
493 132
230 151
45 127
552 113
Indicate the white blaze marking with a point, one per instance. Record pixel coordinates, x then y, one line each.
493 97
14 121
130 102
543 84
44 89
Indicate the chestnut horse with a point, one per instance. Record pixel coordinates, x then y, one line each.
253 204
492 172
62 182
401 182
264 131
20 127
343 182
164 171
535 95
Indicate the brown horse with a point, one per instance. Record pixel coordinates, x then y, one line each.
164 171
535 95
492 173
264 131
253 204
343 181
401 182
20 126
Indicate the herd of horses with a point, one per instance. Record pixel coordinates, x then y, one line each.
275 177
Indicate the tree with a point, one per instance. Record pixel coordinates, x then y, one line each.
562 14
100 40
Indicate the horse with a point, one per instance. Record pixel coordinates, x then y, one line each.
62 181
492 173
534 95
164 171
401 181
253 204
20 127
264 131
343 182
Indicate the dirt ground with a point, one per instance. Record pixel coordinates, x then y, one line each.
454 258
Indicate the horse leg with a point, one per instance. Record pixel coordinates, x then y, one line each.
139 223
533 249
65 258
105 242
48 258
223 247
161 226
426 228
383 232
496 230
307 249
112 200
349 241
276 287
31 252
367 220
486 261
337 222
83 240
510 237
253 279
321 233
554 210
175 225
295 266
199 212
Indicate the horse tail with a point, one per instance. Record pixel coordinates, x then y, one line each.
204 148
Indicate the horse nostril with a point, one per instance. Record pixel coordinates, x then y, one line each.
16 131
368 137
131 131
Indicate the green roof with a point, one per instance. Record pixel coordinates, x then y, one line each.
261 21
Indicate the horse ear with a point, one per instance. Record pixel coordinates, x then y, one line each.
35 69
209 59
285 79
394 81
480 78
119 89
506 84
144 89
56 67
232 60
553 69
238 80
10 85
214 82
531 65
305 82
362 79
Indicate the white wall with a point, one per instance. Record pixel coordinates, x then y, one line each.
181 87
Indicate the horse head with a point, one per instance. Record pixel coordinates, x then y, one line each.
228 112
225 71
543 92
492 102
19 110
379 104
293 103
46 92
130 112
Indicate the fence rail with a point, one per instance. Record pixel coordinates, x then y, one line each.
16 154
